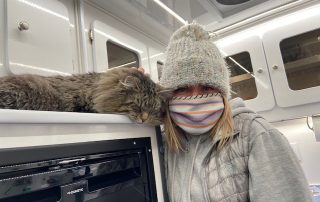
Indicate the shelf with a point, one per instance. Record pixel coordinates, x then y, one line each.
302 63
29 116
239 78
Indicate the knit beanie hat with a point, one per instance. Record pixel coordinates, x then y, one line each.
191 58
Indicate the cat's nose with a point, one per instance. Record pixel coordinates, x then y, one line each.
144 116
139 120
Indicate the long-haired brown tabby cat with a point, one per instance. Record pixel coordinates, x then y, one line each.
119 90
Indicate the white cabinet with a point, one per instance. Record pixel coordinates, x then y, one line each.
39 38
113 48
249 72
22 128
275 66
293 54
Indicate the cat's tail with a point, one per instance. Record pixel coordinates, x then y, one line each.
9 96
29 92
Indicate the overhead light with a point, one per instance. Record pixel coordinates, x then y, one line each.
261 29
171 12
231 2
279 22
34 5
37 68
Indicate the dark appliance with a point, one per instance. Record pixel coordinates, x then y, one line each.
103 171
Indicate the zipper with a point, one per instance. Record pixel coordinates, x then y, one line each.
204 184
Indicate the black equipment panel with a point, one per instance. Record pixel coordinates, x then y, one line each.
113 170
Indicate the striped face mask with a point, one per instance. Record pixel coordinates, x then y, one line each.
196 114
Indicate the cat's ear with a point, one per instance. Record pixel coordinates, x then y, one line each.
131 82
165 93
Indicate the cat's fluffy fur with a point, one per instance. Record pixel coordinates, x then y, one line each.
120 90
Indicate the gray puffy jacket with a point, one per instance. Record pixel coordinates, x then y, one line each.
258 165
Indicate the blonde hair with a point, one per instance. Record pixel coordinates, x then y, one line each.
223 127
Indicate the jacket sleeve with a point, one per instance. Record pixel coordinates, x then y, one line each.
274 171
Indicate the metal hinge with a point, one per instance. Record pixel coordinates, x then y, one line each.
91 36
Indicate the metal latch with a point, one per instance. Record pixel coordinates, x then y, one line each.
316 126
91 36
64 162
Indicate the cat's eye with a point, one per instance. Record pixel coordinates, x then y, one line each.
138 109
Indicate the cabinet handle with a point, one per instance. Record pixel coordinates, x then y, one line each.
260 70
23 25
275 67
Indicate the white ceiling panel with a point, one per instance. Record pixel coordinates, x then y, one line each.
152 19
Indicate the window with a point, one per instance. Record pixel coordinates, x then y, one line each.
242 80
159 68
119 56
301 58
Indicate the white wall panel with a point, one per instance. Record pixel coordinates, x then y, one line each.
304 143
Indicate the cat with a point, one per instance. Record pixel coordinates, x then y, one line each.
118 90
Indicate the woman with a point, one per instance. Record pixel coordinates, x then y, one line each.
218 150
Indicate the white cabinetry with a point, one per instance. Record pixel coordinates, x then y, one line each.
39 37
275 66
249 72
293 56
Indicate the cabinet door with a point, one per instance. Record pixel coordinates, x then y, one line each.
156 63
249 73
39 38
113 48
293 56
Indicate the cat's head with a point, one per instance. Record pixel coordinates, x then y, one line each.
135 95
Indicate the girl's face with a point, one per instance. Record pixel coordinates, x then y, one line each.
193 90
194 113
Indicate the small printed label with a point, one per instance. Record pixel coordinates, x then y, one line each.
75 191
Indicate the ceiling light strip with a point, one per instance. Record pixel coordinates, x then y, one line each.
258 17
171 12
